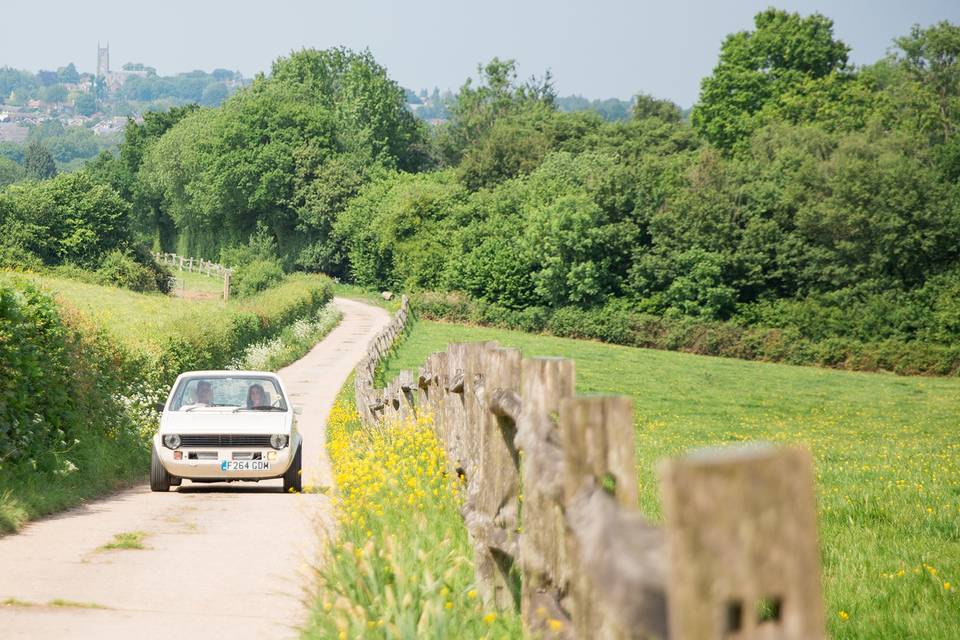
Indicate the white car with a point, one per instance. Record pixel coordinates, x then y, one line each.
223 426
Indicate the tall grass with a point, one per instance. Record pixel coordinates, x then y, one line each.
400 564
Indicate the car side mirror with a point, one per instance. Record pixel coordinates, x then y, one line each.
159 407
297 409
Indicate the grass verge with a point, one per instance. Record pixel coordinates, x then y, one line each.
887 460
400 564
293 342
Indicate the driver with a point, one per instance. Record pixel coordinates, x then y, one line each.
204 393
256 396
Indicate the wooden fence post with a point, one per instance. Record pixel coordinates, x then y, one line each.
226 285
601 506
743 559
544 383
493 507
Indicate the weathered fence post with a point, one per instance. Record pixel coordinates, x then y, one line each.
494 508
605 532
544 383
226 284
743 560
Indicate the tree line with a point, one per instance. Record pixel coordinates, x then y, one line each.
802 192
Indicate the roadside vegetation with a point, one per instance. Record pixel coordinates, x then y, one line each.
887 461
399 564
83 366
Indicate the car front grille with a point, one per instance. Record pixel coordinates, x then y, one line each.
224 440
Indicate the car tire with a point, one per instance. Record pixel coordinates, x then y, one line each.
175 481
159 476
293 478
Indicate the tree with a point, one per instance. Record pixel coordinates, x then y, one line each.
38 162
10 172
646 106
55 93
932 59
214 94
68 74
85 104
66 219
758 67
496 95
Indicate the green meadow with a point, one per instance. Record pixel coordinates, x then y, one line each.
886 450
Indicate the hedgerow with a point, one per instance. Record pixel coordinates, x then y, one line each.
617 323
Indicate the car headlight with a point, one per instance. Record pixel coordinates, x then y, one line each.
278 441
171 441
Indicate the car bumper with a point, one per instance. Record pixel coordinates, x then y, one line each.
213 462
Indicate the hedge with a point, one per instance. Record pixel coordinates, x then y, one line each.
618 324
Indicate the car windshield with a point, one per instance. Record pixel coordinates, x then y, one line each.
238 392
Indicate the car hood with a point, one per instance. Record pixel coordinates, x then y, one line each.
225 422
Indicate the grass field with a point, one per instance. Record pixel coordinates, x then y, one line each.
886 450
134 318
192 281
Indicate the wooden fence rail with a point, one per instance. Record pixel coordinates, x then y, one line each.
197 265
552 490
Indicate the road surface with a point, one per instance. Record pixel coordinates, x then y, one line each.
221 561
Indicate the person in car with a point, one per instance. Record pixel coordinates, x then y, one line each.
204 392
256 397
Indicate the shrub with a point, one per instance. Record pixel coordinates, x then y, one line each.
255 276
121 270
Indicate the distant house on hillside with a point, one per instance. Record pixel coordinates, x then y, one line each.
110 126
13 132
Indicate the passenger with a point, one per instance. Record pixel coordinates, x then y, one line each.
256 397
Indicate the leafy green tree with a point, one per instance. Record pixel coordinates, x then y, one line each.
214 94
646 106
85 104
38 162
68 219
477 107
10 172
932 59
68 74
758 67
55 93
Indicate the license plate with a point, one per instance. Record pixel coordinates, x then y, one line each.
244 465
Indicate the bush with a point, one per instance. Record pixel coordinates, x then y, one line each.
255 276
121 270
617 323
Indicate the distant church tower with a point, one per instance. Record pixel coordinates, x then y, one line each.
103 60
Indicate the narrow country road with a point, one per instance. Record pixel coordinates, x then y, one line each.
221 561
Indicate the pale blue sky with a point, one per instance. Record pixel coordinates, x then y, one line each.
598 48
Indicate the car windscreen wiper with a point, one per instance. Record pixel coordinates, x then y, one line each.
204 405
261 407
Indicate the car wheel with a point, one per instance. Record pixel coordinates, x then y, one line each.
159 477
292 479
